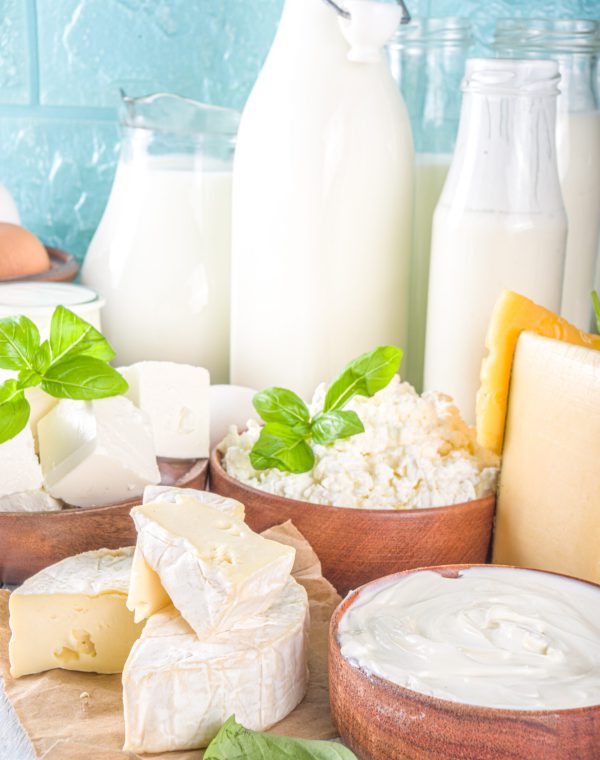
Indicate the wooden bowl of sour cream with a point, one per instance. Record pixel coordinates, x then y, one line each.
358 545
410 634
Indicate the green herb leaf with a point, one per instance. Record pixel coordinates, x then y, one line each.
596 302
234 742
329 426
282 447
42 358
19 340
83 378
14 410
72 336
281 405
28 378
364 376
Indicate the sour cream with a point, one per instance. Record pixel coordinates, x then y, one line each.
494 637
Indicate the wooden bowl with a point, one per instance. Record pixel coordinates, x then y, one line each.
358 545
64 267
30 541
381 720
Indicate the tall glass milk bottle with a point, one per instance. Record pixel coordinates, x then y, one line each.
500 222
427 58
161 253
322 200
574 45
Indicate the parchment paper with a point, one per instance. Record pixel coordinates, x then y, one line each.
77 716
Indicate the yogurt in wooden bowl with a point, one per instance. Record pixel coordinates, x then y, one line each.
468 661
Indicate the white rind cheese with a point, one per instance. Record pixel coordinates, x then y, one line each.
175 398
19 468
171 493
29 501
72 615
179 689
96 452
216 570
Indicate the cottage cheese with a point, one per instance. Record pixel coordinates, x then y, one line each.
416 451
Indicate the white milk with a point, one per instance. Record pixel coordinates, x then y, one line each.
160 258
431 172
474 255
578 154
322 208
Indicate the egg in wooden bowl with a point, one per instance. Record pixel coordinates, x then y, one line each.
468 662
21 253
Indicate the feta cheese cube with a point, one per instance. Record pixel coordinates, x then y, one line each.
29 501
175 398
19 466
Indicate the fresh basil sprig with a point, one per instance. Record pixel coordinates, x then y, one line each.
596 302
234 742
72 363
284 441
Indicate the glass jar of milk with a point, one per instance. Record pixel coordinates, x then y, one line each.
574 45
500 221
427 58
161 254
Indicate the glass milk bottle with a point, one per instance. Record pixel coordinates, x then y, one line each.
500 221
427 58
161 254
574 45
322 200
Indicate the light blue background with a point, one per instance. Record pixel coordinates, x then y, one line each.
62 63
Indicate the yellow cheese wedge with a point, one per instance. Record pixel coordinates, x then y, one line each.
512 315
146 593
548 505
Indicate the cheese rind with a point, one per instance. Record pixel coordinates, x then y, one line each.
548 505
72 615
171 493
19 468
96 452
179 689
512 315
175 398
216 570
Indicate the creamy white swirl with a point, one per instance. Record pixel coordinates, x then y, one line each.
494 636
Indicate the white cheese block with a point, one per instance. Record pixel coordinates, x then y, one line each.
72 615
19 467
548 510
171 493
179 689
175 398
96 452
216 571
40 403
29 501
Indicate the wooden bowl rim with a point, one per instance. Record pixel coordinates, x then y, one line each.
403 692
61 262
390 513
196 467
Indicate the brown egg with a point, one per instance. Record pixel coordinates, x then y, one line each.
21 253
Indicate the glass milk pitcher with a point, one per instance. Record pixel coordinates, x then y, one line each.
161 254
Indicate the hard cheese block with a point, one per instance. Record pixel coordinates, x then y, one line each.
548 511
179 689
175 398
216 570
512 315
72 615
96 452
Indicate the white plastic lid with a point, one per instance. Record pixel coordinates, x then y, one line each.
32 295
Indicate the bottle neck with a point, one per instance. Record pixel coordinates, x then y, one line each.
577 82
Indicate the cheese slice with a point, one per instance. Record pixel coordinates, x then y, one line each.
72 615
179 689
512 315
216 570
548 510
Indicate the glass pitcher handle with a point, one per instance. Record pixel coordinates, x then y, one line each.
345 14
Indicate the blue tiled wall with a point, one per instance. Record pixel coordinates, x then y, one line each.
62 63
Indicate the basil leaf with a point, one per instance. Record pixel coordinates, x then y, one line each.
14 410
42 358
281 405
364 376
83 378
72 336
596 302
28 378
282 447
19 340
234 742
329 426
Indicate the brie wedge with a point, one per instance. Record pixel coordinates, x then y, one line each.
179 689
171 493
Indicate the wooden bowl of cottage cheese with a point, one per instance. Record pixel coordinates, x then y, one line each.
414 489
458 662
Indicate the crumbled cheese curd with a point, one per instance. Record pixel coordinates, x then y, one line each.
416 451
